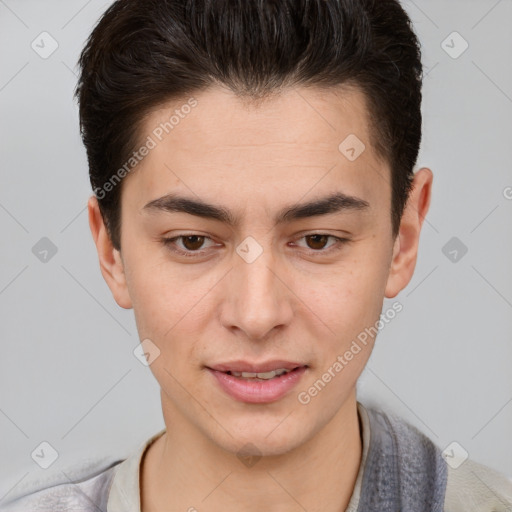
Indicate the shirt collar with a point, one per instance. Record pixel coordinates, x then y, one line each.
365 431
124 493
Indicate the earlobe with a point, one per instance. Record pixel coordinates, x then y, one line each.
111 264
405 249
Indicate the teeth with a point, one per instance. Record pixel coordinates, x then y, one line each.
262 375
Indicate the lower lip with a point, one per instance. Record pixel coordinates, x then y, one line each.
258 391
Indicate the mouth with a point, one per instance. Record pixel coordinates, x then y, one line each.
261 376
254 383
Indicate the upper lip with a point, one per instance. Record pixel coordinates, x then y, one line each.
246 366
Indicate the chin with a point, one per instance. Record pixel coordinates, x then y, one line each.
260 439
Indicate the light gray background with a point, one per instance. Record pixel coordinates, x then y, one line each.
68 375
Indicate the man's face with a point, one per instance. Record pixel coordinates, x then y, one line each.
269 286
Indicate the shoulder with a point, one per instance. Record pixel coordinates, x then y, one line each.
405 445
408 464
473 487
81 488
404 469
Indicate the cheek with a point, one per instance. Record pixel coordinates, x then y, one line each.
350 298
165 303
171 305
350 307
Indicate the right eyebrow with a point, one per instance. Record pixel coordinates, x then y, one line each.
172 203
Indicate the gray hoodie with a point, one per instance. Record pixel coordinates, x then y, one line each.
401 470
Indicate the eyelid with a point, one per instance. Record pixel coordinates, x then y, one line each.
339 241
170 241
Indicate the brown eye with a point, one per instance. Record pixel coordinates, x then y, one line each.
188 245
317 242
192 242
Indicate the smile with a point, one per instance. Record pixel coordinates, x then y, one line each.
258 386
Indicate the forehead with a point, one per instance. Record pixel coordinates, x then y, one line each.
305 140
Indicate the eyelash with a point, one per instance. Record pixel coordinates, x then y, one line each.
169 243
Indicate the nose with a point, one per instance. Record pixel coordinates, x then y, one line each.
257 299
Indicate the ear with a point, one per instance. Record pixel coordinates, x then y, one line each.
405 250
111 264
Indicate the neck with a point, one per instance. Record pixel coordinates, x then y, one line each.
182 470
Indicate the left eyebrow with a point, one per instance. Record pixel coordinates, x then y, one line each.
334 203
